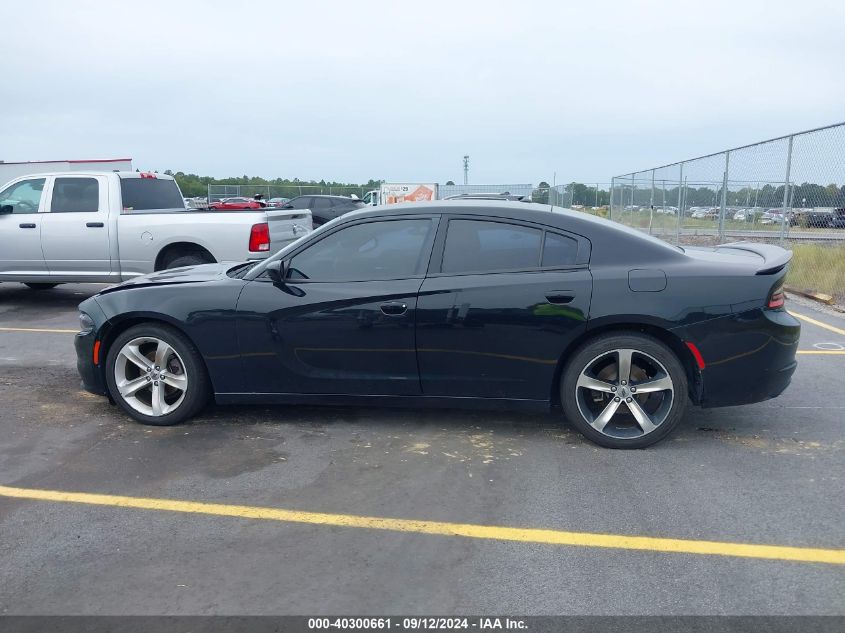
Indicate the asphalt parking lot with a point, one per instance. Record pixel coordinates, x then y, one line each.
379 511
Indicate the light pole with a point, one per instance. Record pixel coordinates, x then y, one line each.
466 169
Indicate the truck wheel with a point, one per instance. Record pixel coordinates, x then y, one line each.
189 259
40 286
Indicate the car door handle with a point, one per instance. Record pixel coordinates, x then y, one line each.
94 225
561 297
27 225
394 308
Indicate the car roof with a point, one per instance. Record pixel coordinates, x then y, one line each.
326 195
526 211
597 230
93 172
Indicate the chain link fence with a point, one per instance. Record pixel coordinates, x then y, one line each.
788 191
591 198
447 190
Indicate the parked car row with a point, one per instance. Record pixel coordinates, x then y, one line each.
322 207
819 217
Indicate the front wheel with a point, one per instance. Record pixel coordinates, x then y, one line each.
624 390
156 375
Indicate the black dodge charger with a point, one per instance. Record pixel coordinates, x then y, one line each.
455 304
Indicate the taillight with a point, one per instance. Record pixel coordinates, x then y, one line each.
776 299
259 238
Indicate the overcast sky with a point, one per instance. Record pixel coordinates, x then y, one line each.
401 91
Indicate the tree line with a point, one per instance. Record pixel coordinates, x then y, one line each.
576 193
193 185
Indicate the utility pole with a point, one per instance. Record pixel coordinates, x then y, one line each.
466 169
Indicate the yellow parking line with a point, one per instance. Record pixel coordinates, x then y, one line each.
823 352
804 317
33 329
440 528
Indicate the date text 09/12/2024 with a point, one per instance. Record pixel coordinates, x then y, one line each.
417 623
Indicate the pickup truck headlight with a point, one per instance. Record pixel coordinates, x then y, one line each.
86 323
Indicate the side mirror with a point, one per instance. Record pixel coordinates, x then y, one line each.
278 271
7 209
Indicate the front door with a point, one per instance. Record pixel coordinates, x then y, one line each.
343 323
20 229
75 230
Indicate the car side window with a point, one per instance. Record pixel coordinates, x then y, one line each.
388 249
23 196
75 195
559 250
486 246
321 204
300 203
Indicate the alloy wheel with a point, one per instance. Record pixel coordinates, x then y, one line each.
150 376
624 393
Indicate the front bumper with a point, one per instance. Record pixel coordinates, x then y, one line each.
84 343
749 356
91 374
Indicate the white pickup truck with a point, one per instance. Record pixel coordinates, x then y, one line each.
112 226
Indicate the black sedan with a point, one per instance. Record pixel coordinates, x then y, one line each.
325 208
455 304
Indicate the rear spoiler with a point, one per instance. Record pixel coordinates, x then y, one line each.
774 257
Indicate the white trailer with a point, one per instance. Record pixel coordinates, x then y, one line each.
393 193
11 170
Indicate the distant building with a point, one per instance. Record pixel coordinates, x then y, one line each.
10 170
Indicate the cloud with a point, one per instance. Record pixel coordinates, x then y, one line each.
358 90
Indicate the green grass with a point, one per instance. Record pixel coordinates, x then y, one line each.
820 268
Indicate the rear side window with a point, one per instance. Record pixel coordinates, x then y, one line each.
75 195
559 250
482 246
300 203
321 204
145 194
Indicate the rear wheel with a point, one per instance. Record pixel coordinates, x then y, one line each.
188 259
156 375
624 390
40 286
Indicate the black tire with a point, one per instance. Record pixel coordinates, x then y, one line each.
40 286
198 390
188 259
622 434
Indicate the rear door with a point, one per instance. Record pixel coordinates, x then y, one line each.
500 304
20 228
75 229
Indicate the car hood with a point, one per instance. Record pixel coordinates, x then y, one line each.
185 275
